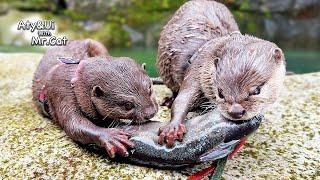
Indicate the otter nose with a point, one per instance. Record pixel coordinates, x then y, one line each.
236 111
150 113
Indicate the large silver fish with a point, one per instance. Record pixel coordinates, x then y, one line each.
209 137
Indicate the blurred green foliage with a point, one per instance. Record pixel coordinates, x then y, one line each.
141 15
113 35
245 5
33 5
77 16
146 17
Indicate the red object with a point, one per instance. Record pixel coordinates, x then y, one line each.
242 142
42 96
201 174
205 172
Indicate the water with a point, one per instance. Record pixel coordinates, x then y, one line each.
302 61
298 61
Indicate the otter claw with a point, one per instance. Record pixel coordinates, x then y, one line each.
171 132
115 141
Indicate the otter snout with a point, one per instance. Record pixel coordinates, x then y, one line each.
149 112
236 111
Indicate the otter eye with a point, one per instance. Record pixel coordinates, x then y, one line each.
97 91
128 106
255 92
220 94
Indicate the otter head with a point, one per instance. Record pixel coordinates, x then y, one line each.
114 88
246 76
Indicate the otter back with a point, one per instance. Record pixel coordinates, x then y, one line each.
193 24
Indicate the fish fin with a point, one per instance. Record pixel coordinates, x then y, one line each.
222 150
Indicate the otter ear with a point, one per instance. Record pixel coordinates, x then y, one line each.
277 54
216 61
95 48
97 91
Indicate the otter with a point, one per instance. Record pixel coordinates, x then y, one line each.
203 58
83 88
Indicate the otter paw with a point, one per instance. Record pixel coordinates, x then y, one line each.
171 132
115 141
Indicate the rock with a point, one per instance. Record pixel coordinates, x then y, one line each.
95 9
152 34
135 36
305 4
289 23
274 6
4 7
285 146
269 6
293 33
91 25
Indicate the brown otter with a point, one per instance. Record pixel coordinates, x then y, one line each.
82 87
203 57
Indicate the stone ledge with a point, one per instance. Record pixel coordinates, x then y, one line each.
285 146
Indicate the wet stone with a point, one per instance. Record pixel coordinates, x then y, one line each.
286 145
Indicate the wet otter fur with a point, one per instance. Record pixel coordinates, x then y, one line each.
85 97
193 24
202 57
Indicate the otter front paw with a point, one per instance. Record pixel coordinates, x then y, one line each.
171 132
115 141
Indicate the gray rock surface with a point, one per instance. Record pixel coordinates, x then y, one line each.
286 146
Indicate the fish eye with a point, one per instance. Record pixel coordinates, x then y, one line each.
220 94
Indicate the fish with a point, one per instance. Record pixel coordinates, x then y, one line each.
210 137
